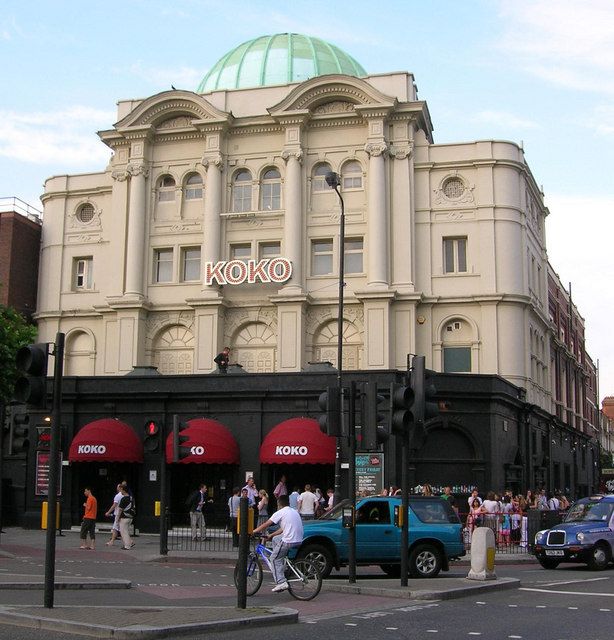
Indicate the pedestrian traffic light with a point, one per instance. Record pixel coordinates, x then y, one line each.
151 443
373 430
401 401
43 440
19 435
180 451
31 386
330 420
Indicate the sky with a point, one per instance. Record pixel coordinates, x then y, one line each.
537 72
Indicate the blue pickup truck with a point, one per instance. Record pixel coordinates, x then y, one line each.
585 536
435 536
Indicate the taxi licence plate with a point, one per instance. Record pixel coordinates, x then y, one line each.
555 552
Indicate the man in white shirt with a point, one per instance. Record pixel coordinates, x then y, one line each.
474 496
289 535
307 503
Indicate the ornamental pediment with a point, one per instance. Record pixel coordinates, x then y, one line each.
331 94
172 110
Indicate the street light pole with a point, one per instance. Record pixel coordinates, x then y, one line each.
333 180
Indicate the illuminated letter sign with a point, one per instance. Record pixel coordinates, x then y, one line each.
96 449
291 450
252 271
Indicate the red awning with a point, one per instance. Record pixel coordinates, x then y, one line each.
210 441
298 441
106 440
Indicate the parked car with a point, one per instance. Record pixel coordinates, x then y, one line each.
435 536
585 536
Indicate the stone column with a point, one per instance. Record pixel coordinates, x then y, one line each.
212 225
135 249
377 226
293 219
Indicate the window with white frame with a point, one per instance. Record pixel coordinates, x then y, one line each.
321 257
455 255
190 264
352 262
194 187
351 175
242 191
83 273
163 265
241 251
166 189
269 250
318 180
270 190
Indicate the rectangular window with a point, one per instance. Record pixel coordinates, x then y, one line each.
321 257
271 196
353 255
242 197
269 250
83 278
190 264
240 252
193 193
163 265
457 360
455 255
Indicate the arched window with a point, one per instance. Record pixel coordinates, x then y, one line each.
318 181
351 175
242 191
166 189
194 187
270 190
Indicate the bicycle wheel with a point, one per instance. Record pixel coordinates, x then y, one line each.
308 585
254 574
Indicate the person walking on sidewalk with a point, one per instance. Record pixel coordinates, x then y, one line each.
196 502
114 511
88 526
126 515
288 535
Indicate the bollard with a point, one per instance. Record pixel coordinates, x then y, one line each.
482 555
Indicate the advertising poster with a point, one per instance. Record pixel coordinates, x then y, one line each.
369 473
42 474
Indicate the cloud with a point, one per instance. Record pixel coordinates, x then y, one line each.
66 137
504 118
578 235
567 43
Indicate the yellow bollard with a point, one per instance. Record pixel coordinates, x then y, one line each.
45 515
157 508
250 521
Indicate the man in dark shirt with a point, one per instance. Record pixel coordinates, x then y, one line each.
221 360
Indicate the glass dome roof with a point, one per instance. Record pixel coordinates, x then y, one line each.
278 59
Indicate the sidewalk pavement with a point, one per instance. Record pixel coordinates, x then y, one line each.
164 620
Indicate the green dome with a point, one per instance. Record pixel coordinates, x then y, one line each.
279 59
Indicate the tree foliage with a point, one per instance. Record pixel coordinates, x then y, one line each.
15 332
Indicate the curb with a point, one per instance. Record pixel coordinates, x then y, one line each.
67 586
450 593
261 616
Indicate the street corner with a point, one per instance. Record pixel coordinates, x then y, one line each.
143 622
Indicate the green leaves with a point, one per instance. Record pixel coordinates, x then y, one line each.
15 332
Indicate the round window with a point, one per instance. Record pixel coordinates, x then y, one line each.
453 188
86 213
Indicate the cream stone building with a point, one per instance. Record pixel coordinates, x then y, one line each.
444 253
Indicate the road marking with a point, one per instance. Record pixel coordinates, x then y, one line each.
475 633
573 608
392 628
540 606
432 631
512 606
514 636
555 584
480 603
569 593
351 624
605 609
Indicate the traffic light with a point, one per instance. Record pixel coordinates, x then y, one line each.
180 451
19 435
373 430
401 401
31 387
151 444
43 440
330 420
424 407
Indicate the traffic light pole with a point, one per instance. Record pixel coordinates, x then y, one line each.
405 501
54 469
352 482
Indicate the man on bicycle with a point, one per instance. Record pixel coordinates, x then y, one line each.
289 535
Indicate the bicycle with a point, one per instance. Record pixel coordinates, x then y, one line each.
303 577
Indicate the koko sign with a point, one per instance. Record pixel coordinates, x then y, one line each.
94 449
251 271
291 450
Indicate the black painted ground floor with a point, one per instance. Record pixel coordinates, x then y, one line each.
265 426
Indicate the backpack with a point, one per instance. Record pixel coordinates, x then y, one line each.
130 511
